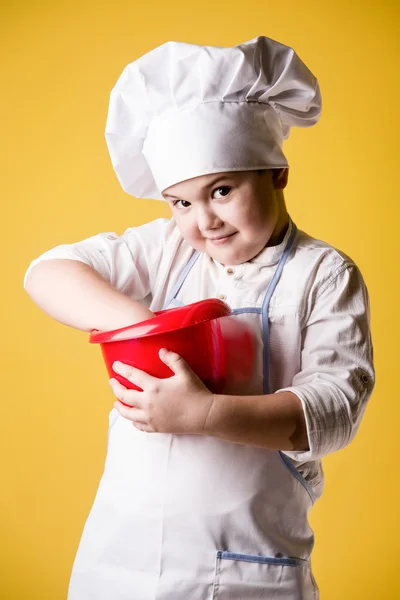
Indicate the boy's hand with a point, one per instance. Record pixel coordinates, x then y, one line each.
178 404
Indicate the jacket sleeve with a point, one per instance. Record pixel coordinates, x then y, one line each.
337 373
129 262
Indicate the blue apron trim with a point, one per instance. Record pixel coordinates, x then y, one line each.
182 278
289 465
176 302
265 306
240 311
268 560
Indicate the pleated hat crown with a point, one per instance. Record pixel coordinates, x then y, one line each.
184 110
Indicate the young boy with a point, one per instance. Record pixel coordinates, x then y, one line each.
206 496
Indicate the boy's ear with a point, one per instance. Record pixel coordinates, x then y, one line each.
280 178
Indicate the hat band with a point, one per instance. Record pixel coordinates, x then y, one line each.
213 137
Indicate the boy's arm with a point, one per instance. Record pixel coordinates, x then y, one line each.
99 282
73 293
183 404
273 421
331 389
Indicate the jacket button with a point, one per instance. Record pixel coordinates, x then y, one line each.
222 297
230 271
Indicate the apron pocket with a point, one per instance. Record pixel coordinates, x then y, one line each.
253 577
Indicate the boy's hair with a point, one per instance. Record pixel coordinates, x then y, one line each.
261 171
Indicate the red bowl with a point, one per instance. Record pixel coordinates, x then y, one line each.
194 332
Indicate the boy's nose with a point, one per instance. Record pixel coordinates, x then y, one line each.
208 220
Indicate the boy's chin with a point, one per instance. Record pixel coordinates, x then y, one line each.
231 258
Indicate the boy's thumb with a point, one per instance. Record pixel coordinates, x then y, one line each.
175 362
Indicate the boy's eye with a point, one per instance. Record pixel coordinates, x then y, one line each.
184 203
223 189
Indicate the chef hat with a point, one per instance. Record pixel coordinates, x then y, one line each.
184 110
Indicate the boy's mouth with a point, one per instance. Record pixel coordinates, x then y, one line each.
221 239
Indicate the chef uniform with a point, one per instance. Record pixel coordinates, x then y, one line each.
190 517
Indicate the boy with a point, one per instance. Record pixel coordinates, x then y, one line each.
206 496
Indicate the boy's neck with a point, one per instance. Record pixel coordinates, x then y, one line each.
280 229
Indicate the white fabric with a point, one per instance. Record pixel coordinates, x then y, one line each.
320 338
184 110
183 516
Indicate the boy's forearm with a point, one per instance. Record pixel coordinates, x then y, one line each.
73 293
273 421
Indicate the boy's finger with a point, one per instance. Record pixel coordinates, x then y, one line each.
132 374
131 397
133 414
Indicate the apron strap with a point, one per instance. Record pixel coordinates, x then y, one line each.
182 277
265 306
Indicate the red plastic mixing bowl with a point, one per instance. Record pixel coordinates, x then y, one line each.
193 331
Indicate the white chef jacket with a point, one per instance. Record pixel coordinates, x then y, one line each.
321 347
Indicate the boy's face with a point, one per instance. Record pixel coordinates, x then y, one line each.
230 216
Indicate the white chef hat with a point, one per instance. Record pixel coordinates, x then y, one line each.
184 110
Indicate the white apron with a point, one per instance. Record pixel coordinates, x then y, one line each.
191 517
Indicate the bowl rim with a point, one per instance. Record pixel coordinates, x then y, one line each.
161 324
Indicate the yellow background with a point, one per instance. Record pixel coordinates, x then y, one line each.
59 63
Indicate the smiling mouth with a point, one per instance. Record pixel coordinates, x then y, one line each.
222 239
